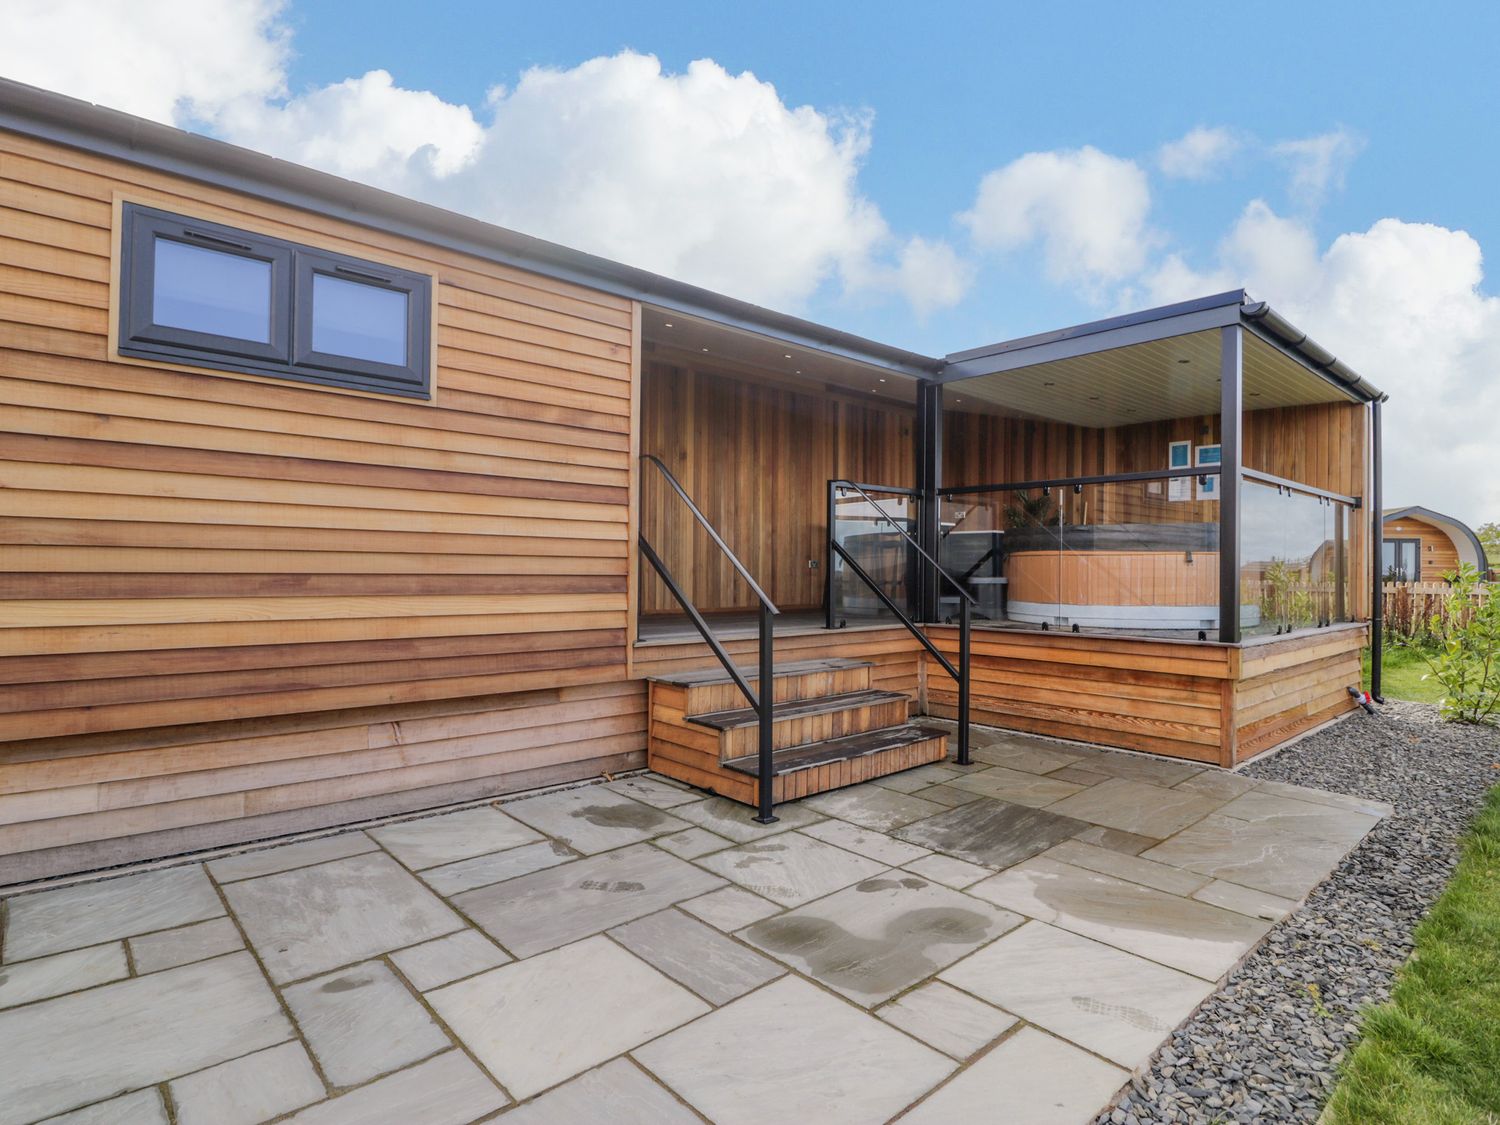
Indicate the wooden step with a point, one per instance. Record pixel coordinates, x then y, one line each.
831 750
807 720
711 689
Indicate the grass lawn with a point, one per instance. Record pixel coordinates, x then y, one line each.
1402 676
1432 1053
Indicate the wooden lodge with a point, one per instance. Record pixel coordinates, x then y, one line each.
318 504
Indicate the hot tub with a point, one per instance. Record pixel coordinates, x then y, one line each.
1117 576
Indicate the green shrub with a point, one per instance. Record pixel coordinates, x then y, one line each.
1466 660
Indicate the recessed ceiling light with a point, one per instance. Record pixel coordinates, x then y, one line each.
787 356
1049 383
705 349
797 372
1184 361
958 400
882 379
667 324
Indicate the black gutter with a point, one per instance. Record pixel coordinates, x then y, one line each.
1260 314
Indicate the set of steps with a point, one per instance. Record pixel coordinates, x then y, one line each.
830 729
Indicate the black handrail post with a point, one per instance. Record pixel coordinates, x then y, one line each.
765 717
964 615
828 559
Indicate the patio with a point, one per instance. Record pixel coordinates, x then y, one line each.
1021 933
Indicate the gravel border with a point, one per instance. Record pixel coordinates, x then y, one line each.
1266 1046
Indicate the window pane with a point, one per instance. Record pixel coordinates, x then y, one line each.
206 290
359 321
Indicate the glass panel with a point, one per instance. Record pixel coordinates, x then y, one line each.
1004 547
867 530
211 291
357 320
1294 560
1141 557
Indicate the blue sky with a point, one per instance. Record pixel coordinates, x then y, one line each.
935 177
958 89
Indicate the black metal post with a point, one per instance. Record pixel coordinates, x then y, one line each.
1377 550
964 615
1231 429
929 438
765 716
828 619
1340 611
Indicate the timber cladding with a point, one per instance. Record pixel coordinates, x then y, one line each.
185 548
1205 702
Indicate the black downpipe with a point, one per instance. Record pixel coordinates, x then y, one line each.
1377 549
965 611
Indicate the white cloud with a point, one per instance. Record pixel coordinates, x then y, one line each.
1318 164
151 59
1403 304
1085 208
705 176
1198 155
364 128
931 275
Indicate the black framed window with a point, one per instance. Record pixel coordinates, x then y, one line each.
214 296
1401 560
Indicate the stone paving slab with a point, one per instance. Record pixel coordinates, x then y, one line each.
791 868
751 1055
549 908
943 1017
1192 936
547 1033
166 949
881 936
592 819
314 919
268 861
61 972
648 977
1108 1001
249 1089
361 1022
617 1092
446 1090
436 840
991 833
1038 1078
483 870
142 1107
696 956
71 1050
446 959
89 913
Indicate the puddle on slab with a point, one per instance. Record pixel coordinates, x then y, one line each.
346 984
620 816
875 967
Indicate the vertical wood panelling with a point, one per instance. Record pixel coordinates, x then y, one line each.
756 456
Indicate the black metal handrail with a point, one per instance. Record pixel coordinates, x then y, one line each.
966 603
763 701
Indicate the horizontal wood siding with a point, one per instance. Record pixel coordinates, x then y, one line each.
84 802
1289 686
197 554
1439 554
1161 696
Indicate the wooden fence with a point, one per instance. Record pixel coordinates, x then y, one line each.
1409 608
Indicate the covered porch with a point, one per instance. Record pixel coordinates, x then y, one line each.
1159 522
